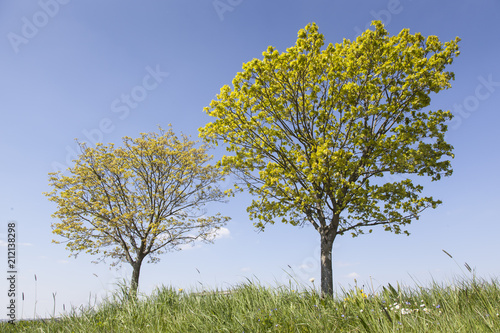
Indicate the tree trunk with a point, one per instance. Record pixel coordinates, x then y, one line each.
134 285
326 264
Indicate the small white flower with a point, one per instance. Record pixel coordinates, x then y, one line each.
312 280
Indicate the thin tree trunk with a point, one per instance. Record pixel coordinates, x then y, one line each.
326 264
134 285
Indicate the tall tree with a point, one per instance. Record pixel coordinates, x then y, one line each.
136 201
314 127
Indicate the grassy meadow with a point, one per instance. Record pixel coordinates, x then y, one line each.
468 305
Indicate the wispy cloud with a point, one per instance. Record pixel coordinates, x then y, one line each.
218 234
353 275
309 265
222 233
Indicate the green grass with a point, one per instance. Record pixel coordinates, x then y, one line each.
469 305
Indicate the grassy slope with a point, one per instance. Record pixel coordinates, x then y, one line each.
468 306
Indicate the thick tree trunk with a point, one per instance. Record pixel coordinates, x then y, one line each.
326 264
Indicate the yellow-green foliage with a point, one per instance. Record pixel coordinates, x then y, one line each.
136 200
311 126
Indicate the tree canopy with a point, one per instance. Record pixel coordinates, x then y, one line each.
136 201
315 128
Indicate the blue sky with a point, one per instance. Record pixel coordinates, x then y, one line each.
65 72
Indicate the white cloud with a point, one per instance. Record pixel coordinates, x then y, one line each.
222 233
308 266
217 234
353 275
245 269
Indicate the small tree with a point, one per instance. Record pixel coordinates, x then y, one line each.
312 128
137 201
